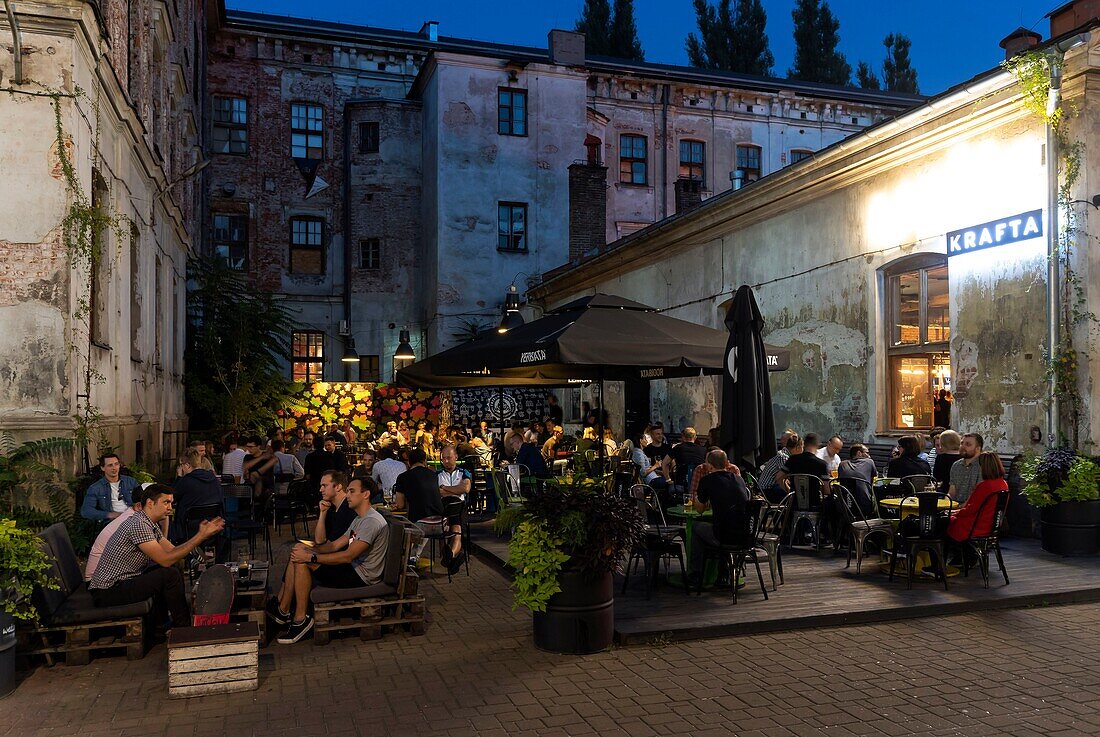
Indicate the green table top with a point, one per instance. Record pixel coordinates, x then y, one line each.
679 511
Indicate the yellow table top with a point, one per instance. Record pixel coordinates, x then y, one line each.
910 502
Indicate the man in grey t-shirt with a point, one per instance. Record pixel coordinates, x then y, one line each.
965 472
356 559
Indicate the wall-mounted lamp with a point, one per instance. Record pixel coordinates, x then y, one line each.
511 319
404 350
350 354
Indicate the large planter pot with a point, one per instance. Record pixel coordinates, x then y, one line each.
580 618
1071 528
7 654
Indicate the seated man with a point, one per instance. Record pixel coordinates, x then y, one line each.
233 459
288 464
258 470
860 466
123 574
726 493
386 470
194 487
109 496
417 492
104 535
454 485
529 455
357 558
550 447
334 515
681 461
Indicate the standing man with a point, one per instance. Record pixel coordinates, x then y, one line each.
111 495
454 485
830 453
965 472
124 574
357 558
335 515
553 409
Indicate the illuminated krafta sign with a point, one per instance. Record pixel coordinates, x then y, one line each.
1022 227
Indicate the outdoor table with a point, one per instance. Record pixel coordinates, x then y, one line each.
690 517
908 508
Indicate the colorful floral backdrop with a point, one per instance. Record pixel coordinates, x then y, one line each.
367 405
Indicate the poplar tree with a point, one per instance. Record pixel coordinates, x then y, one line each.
866 78
607 34
816 37
897 70
730 38
624 33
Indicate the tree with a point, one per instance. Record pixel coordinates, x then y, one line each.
731 39
624 33
897 70
610 35
816 37
866 78
236 351
595 24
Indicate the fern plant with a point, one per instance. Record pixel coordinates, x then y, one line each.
23 567
25 469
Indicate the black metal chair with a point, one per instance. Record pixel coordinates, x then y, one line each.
927 538
859 527
770 535
247 519
887 489
807 505
737 555
660 542
982 544
196 562
916 483
292 503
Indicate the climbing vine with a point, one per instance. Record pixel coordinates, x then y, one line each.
1032 71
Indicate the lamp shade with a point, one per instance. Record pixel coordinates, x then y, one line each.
510 321
350 354
404 350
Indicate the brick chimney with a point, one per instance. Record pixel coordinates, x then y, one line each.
1073 15
566 47
587 209
1019 41
689 194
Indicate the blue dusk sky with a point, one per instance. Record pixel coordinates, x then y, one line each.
952 40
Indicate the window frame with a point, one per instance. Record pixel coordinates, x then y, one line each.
366 245
691 165
751 173
308 133
370 359
366 137
312 340
506 125
510 234
629 161
229 125
801 153
293 246
230 242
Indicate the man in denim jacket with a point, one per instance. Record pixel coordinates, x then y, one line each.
110 496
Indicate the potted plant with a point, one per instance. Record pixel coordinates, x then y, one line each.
1063 485
569 538
23 566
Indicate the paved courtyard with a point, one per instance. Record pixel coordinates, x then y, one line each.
475 672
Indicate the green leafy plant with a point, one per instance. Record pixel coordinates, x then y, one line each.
25 469
1059 475
23 566
569 521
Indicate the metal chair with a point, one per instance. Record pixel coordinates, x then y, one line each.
291 503
197 558
807 505
982 544
925 540
737 555
916 483
771 534
246 520
660 540
859 527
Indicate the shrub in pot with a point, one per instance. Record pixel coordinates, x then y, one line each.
23 566
1063 485
569 537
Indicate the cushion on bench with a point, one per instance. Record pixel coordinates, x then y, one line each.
79 608
391 573
326 595
57 537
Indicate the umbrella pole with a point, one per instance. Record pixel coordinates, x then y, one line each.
599 421
500 408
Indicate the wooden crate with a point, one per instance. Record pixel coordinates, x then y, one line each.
368 617
223 658
75 643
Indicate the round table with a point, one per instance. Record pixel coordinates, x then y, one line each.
690 517
908 507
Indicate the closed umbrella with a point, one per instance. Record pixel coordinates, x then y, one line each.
747 423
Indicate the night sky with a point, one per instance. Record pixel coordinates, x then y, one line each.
952 40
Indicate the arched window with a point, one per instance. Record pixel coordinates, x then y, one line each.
918 332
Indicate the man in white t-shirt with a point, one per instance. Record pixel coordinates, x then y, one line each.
110 495
386 470
454 484
233 461
830 453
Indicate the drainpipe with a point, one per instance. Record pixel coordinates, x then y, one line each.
664 150
17 40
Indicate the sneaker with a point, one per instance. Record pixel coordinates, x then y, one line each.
456 563
296 631
278 616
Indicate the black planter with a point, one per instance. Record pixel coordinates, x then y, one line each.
7 654
580 618
1071 528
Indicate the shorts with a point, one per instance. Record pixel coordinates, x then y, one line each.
452 510
342 576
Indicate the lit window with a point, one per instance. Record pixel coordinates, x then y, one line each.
748 161
307 138
306 251
632 160
231 240
230 134
692 158
511 226
307 349
512 112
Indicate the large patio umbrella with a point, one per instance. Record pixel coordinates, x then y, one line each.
747 423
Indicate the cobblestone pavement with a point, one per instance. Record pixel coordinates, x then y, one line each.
475 672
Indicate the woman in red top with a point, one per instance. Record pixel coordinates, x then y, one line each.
963 523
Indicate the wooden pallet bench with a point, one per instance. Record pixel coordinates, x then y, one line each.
223 658
76 642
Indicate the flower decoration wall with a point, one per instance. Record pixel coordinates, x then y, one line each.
367 405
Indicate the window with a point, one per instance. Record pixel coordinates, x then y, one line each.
307 350
748 161
369 368
632 160
231 240
230 125
306 251
511 226
370 254
800 154
99 274
512 112
135 294
307 138
691 160
918 334
368 138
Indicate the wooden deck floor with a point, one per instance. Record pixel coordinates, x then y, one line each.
819 592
